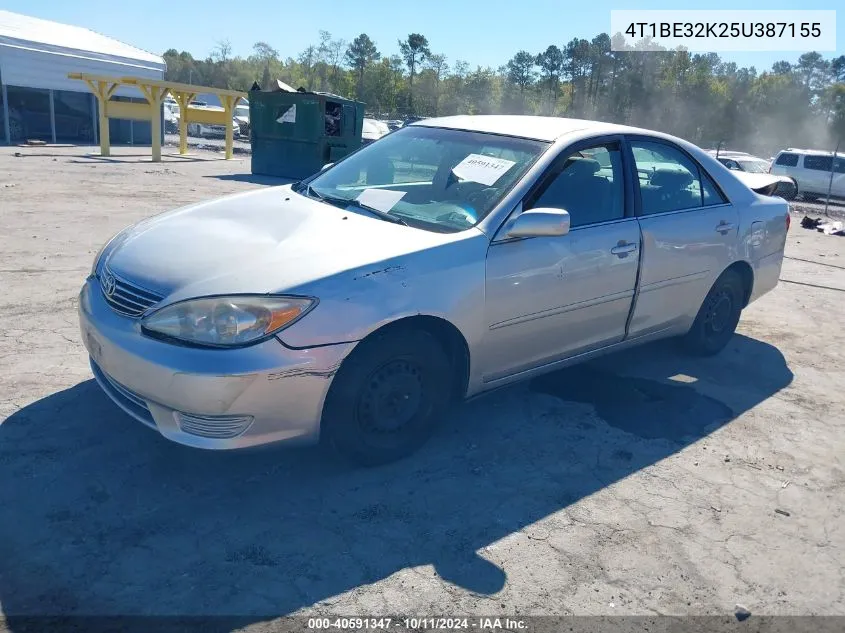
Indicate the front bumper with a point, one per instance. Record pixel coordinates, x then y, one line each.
207 398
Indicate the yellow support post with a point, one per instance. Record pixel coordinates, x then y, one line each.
154 95
103 89
229 102
183 99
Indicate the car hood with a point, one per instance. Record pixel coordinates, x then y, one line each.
270 240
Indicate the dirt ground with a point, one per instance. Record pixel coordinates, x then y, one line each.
645 483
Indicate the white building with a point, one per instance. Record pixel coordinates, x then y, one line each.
37 98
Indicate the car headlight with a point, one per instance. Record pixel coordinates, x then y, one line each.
227 321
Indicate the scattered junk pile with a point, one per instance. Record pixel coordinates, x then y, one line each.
296 132
828 228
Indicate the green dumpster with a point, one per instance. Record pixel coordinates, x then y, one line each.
293 134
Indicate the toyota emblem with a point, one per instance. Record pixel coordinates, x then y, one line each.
109 284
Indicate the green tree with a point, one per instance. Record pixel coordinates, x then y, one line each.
361 53
550 62
414 51
521 73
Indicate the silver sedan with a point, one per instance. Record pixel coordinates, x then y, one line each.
451 257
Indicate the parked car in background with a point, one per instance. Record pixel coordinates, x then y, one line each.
207 130
171 117
452 257
372 130
812 170
394 124
742 161
242 118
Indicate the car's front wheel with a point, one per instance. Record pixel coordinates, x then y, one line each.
718 316
387 397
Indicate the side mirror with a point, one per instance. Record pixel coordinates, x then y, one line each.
326 166
540 223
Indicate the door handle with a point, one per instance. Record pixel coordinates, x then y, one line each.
622 249
724 227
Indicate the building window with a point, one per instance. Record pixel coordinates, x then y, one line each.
73 117
29 114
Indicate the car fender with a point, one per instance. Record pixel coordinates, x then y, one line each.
448 284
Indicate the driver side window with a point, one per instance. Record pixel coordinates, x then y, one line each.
588 184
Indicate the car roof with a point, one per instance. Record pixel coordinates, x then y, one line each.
541 128
813 152
730 153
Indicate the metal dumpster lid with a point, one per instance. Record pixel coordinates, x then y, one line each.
281 86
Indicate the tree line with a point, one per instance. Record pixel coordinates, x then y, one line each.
699 97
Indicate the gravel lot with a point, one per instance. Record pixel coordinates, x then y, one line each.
645 483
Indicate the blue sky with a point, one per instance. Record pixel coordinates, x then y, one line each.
481 32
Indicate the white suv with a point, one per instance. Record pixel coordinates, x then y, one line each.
811 169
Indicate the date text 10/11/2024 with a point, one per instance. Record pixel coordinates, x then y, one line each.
418 624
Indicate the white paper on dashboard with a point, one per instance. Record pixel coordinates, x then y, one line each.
484 169
381 199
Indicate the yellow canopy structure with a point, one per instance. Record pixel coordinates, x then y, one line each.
154 92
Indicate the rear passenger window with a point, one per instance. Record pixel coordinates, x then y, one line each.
787 160
820 163
839 165
588 184
670 181
710 193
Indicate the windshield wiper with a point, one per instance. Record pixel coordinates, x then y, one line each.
345 202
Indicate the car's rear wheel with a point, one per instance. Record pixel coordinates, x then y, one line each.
809 197
718 316
387 397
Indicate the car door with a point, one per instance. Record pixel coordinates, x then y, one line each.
548 298
838 188
689 233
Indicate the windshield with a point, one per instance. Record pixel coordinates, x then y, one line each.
754 166
433 178
242 111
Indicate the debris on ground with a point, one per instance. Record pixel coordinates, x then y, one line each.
832 228
783 512
742 613
828 228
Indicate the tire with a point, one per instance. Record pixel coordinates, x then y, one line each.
388 397
716 322
809 197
